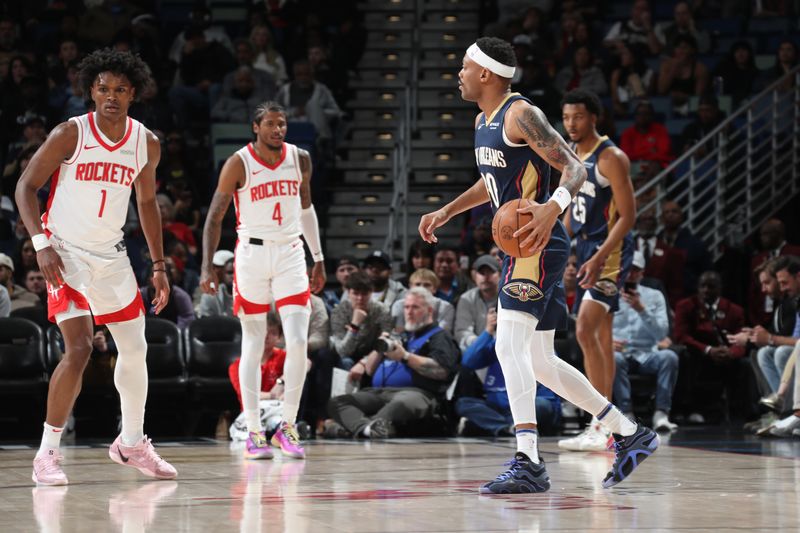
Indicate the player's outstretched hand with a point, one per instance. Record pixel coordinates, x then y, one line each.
428 224
51 265
540 226
208 281
590 271
318 277
161 285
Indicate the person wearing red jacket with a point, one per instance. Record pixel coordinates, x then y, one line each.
702 323
271 364
646 139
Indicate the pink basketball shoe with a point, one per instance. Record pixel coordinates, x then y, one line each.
143 457
288 441
47 469
257 446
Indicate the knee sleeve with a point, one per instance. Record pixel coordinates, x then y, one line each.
130 376
513 345
254 331
295 320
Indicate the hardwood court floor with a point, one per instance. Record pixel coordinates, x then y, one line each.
404 485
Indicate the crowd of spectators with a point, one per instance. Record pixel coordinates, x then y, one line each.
425 336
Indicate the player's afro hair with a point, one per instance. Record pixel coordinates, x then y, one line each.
109 60
498 49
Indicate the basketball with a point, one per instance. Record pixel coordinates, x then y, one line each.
506 222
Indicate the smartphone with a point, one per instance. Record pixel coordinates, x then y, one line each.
630 286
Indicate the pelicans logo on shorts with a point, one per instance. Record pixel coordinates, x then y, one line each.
522 291
607 287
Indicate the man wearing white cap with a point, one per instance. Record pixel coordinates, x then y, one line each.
221 303
639 326
20 296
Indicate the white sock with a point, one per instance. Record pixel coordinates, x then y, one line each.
613 419
254 331
528 443
130 377
51 439
366 431
294 319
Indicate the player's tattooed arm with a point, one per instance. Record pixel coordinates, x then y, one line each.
304 160
231 178
533 126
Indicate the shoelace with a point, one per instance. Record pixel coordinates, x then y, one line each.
291 434
259 440
150 451
513 465
51 467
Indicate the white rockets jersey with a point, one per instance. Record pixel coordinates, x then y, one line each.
268 205
90 192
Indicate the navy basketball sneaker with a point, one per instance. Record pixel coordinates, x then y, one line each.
630 452
522 476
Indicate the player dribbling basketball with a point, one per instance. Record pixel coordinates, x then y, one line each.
515 147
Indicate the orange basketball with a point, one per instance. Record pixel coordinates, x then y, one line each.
506 222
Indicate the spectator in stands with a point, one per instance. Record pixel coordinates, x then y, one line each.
35 284
738 72
179 229
272 389
408 378
772 237
199 18
785 60
646 139
676 235
34 133
790 426
479 240
24 260
420 255
681 75
179 307
245 56
581 36
318 382
683 23
492 412
238 106
637 32
268 58
103 20
66 99
306 99
452 282
639 325
582 74
324 73
476 303
378 267
346 265
19 296
707 119
202 65
152 110
632 80
775 341
185 210
357 322
444 313
535 83
702 323
663 262
12 173
220 303
67 54
571 279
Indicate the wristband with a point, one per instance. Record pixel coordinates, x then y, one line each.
354 327
159 270
562 198
158 261
40 242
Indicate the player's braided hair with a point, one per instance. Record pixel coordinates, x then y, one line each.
110 60
498 49
267 107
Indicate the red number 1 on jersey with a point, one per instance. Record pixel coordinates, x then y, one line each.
276 214
102 203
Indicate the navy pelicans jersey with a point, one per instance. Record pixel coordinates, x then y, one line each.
593 211
592 215
511 171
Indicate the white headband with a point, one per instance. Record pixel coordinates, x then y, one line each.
477 55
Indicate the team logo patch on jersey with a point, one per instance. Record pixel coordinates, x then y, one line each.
524 292
607 287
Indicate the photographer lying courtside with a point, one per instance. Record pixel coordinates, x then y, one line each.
409 377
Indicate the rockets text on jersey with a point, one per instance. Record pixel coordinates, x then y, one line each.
268 204
90 191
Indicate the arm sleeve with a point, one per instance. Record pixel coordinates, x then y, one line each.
480 353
